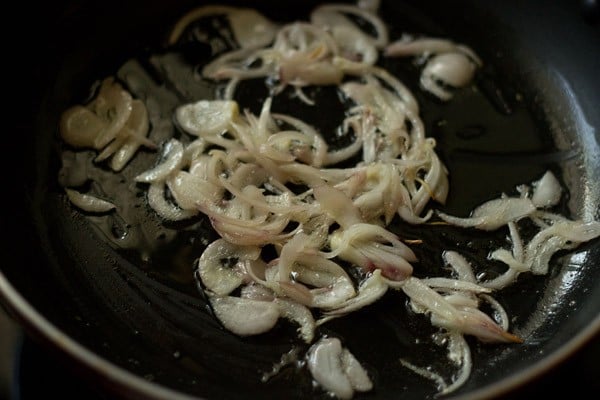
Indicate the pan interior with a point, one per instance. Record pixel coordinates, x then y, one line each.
526 116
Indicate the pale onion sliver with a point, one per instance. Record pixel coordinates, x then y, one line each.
88 202
79 126
206 117
111 97
245 317
173 159
493 214
325 365
189 189
163 207
547 191
299 314
251 29
139 126
359 379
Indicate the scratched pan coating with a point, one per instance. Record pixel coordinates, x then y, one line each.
139 328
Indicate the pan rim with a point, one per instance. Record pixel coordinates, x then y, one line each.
123 381
35 323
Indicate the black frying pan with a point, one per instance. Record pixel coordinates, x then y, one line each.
142 330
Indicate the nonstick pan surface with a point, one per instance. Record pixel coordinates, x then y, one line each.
141 329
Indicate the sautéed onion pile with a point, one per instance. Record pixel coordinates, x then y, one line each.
303 225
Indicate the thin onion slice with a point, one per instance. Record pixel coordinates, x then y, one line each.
88 202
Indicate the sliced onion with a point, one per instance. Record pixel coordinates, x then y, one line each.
559 236
493 214
354 44
371 290
466 320
195 14
425 46
218 277
325 366
164 208
409 46
460 353
454 284
137 129
453 69
331 284
547 191
299 314
460 265
359 379
189 189
245 317
251 29
334 202
79 126
172 160
114 105
88 202
206 117
336 369
333 15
